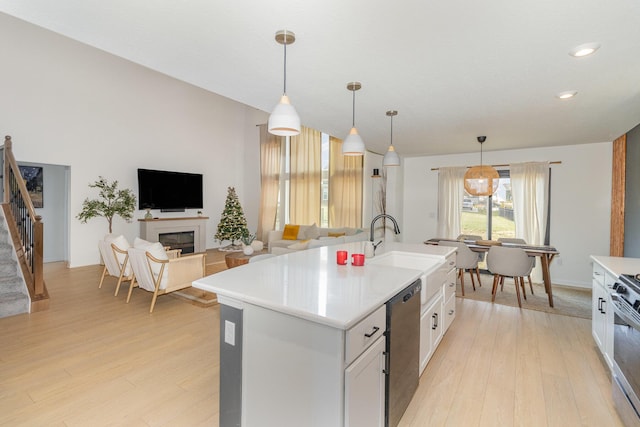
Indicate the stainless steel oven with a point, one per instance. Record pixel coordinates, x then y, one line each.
625 300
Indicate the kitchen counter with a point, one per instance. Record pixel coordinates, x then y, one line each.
618 265
310 285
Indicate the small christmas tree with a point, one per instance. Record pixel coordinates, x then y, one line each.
233 224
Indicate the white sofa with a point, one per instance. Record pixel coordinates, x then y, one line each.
312 236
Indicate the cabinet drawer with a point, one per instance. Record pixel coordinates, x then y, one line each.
365 333
449 286
598 273
449 312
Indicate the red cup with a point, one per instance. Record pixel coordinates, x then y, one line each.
341 257
357 259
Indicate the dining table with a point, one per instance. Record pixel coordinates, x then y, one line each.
545 253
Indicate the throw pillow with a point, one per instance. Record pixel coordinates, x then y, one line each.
290 232
312 232
299 246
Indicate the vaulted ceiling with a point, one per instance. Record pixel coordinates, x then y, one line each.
453 69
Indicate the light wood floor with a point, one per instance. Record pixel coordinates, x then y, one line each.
92 360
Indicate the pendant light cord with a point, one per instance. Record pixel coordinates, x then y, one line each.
285 67
353 116
391 130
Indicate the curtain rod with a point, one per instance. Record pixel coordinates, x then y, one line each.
556 162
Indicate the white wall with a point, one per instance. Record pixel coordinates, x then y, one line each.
69 104
580 201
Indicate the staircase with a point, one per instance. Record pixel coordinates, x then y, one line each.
14 296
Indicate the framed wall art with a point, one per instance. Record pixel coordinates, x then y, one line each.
33 179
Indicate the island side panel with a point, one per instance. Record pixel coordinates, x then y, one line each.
231 366
293 371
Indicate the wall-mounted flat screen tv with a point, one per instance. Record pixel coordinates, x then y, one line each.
169 191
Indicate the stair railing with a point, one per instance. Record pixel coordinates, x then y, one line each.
27 228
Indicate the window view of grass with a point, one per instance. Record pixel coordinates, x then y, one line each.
476 223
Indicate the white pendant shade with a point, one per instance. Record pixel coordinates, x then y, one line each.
284 120
353 144
391 158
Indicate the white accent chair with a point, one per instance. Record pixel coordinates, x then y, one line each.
113 250
466 260
509 262
154 272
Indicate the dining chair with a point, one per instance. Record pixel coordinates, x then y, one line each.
516 241
113 250
509 262
466 260
475 238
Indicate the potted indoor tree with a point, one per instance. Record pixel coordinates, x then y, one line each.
111 201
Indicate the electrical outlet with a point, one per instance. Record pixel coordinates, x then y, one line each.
229 332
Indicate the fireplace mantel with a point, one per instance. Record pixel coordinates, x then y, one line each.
150 229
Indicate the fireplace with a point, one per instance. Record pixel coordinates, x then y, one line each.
179 240
188 234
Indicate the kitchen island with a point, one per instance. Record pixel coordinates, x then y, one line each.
301 338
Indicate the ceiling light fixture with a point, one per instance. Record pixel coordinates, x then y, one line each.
566 94
353 144
481 180
284 120
391 158
584 49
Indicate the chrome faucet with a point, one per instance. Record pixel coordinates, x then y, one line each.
396 229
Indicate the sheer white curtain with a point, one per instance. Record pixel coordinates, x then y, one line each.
305 182
450 196
270 155
530 192
345 187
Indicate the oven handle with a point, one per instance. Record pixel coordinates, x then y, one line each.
617 303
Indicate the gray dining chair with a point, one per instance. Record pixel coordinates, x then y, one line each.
509 262
516 241
466 260
474 237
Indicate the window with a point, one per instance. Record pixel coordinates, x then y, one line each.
490 216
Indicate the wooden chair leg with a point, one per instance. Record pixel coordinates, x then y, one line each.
495 287
501 283
530 284
104 272
524 292
478 276
131 286
473 282
518 294
462 280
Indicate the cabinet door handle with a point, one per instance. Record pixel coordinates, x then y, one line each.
451 312
434 324
604 304
375 329
600 301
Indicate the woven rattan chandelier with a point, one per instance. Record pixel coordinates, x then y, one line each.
481 180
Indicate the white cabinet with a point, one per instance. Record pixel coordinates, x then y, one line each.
430 330
364 386
438 312
602 313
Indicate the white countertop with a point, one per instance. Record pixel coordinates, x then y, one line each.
618 265
310 285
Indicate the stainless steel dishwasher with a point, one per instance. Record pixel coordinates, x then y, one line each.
402 351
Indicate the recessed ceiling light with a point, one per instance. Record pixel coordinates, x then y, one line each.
584 49
567 94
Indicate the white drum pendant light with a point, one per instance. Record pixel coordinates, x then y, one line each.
391 158
353 144
284 120
481 180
